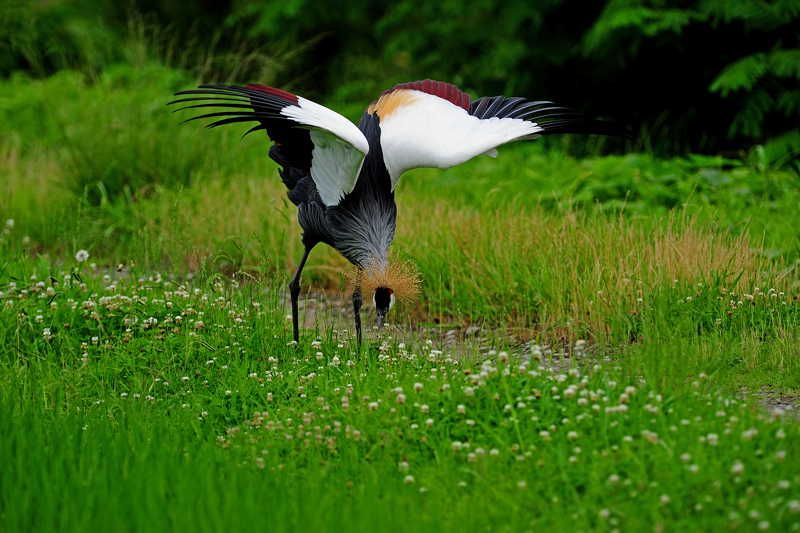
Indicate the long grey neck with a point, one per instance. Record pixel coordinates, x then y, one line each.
370 209
364 233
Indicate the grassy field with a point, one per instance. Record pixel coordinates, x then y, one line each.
153 386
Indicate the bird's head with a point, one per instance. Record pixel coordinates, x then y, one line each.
383 300
388 281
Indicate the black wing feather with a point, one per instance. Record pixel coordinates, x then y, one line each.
565 120
244 104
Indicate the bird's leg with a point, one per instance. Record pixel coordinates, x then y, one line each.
357 301
294 290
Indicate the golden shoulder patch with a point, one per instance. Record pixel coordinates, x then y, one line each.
389 103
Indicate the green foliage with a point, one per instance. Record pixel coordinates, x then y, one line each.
761 77
727 70
114 135
644 20
763 81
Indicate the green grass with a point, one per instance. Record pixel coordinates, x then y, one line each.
132 418
681 274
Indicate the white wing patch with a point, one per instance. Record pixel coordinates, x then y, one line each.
430 132
339 149
335 166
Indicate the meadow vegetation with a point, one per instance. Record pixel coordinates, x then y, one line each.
599 344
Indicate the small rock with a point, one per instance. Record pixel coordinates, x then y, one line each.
472 331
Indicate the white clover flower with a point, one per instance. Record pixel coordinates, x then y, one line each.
685 457
461 409
429 422
522 485
604 513
417 387
613 479
373 406
81 256
749 434
494 452
737 468
793 506
664 499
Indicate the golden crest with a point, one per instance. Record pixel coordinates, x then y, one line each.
402 276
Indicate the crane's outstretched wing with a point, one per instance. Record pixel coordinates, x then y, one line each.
307 136
433 124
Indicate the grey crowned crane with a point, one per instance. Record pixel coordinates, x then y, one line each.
342 177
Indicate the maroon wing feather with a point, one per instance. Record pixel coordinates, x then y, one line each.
446 91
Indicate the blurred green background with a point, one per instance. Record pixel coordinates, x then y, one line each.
713 76
90 157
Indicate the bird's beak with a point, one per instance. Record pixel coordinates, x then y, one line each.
381 316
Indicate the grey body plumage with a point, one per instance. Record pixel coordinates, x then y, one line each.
362 226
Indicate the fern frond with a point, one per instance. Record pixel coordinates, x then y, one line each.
623 14
749 121
785 63
741 74
788 102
